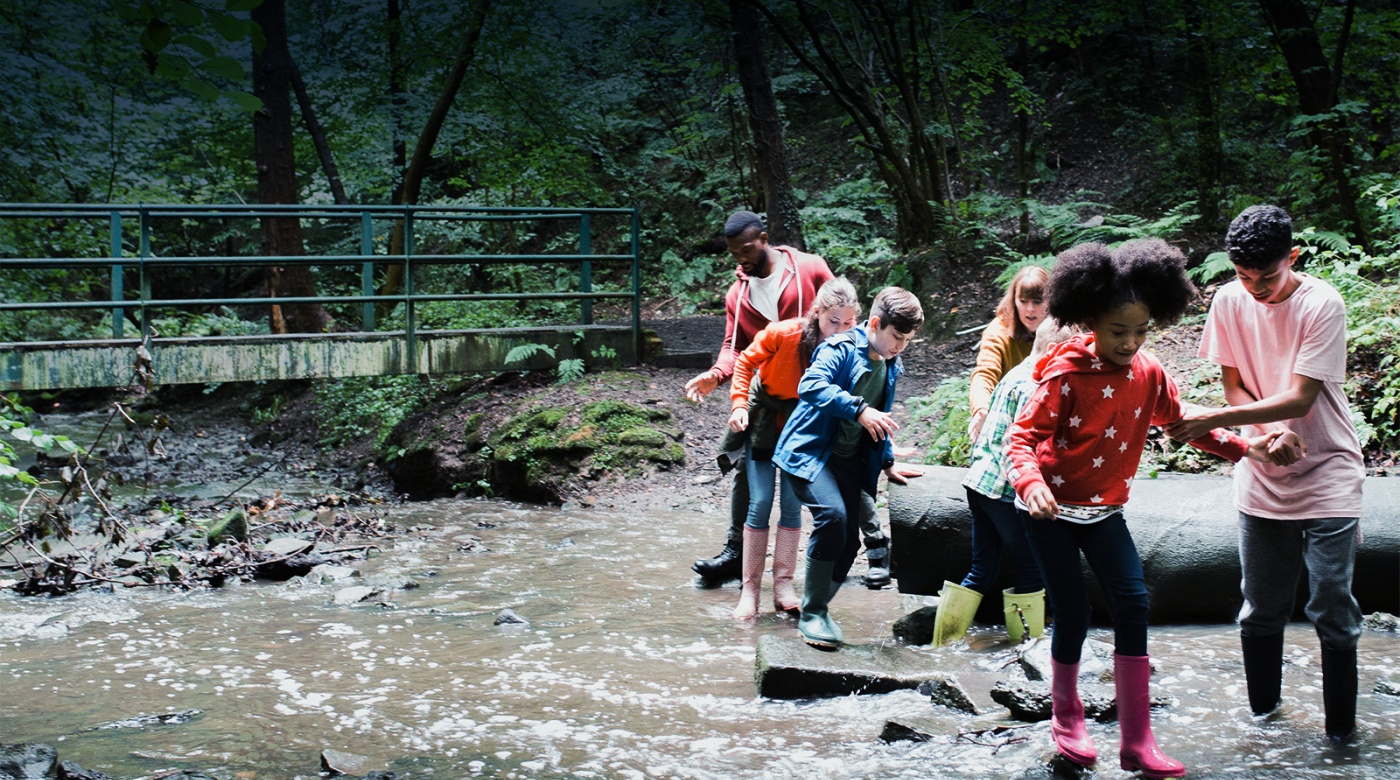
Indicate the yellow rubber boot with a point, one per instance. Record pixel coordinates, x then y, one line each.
956 608
1024 612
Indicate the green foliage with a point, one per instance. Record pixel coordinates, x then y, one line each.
945 415
176 44
367 407
527 351
1216 265
1078 222
568 370
14 425
848 226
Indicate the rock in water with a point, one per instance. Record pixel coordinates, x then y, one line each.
28 760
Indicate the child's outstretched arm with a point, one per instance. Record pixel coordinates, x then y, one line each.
1227 444
1035 424
761 350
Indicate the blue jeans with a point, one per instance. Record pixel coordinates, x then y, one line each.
1272 556
1109 549
834 501
761 473
995 527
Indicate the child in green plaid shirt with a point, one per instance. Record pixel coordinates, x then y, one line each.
995 526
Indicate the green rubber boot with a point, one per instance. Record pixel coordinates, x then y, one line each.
815 625
955 611
1025 613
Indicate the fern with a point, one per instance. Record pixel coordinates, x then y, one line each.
569 370
527 351
1216 265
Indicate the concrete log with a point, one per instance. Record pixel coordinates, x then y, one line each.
1185 531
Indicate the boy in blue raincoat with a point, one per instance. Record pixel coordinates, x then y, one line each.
837 442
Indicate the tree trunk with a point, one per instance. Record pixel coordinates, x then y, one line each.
277 183
318 136
1209 156
423 150
1317 81
784 221
893 131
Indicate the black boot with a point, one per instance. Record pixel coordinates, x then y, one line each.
1263 671
877 574
723 567
1339 693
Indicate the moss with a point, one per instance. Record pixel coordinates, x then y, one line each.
644 437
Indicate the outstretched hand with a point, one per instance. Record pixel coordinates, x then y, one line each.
1194 425
696 389
900 474
877 423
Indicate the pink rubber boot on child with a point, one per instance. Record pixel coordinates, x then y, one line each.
1067 715
1138 751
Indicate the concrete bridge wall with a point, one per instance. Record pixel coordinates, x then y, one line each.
53 365
1184 528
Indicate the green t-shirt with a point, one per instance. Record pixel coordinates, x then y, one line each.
871 389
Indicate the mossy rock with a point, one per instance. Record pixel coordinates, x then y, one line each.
642 437
231 527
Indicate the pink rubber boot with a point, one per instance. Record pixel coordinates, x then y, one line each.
784 565
751 573
1067 715
1138 751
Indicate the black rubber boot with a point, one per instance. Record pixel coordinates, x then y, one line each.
1263 671
877 574
723 567
1339 693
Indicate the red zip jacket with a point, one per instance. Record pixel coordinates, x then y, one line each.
742 321
1083 431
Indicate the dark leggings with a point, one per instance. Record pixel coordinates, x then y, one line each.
1109 549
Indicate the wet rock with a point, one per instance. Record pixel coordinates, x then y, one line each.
916 628
286 546
329 572
378 775
1030 701
1095 662
188 774
895 731
948 692
509 617
26 760
1381 621
231 527
339 762
69 770
1388 687
157 719
787 668
356 594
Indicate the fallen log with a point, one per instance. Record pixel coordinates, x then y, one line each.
1185 531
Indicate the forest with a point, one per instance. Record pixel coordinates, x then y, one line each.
909 142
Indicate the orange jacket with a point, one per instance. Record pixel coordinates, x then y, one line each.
776 351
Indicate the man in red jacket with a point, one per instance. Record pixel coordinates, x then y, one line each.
772 283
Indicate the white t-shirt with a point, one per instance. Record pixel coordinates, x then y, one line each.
764 293
1269 343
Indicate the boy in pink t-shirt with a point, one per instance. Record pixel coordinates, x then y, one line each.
1279 337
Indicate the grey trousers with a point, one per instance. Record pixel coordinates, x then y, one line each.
1272 556
739 511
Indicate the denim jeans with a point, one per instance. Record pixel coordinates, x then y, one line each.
1272 556
1109 549
834 501
995 527
761 473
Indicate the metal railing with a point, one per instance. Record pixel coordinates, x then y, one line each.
132 256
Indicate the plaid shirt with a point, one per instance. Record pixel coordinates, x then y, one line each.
987 472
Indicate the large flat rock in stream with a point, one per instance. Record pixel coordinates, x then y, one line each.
787 668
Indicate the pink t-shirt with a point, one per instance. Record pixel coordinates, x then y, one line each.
1269 343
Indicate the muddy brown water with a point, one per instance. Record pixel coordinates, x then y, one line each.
625 671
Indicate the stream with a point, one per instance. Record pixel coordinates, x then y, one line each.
624 670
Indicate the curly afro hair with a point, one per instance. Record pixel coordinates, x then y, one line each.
1089 281
1259 237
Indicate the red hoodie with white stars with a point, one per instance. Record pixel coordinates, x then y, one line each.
1083 431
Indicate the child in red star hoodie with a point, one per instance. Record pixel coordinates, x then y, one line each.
1074 450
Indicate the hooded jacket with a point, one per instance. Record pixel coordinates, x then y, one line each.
825 399
1084 428
742 321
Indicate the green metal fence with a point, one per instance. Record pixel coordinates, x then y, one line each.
137 243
